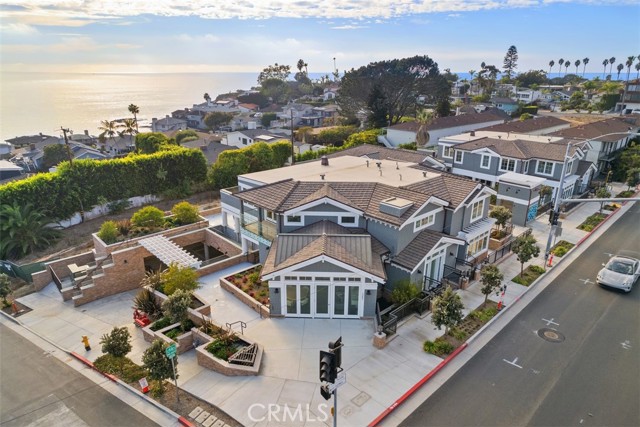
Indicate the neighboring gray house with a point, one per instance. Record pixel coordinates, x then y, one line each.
336 234
167 124
486 159
441 127
540 125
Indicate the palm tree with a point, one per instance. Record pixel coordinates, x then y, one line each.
129 127
133 109
109 129
629 64
585 61
24 229
423 117
566 66
637 67
620 67
577 64
605 63
551 64
560 62
612 60
207 97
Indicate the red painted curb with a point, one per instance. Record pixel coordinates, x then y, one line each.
83 360
596 227
417 385
185 422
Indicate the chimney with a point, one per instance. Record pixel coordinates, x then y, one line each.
367 163
322 176
32 146
86 132
324 161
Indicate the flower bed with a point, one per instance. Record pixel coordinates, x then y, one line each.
197 308
561 248
209 359
247 287
172 333
592 221
529 275
446 344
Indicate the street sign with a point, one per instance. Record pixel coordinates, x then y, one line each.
559 229
341 379
171 351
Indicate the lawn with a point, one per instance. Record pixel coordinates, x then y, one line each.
592 221
529 275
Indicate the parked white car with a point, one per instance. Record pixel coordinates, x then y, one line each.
621 272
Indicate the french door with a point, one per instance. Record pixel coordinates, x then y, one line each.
322 300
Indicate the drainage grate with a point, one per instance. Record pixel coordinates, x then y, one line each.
550 335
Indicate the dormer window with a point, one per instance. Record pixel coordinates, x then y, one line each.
477 210
293 220
424 222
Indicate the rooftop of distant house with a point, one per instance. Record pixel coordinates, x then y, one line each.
524 126
449 122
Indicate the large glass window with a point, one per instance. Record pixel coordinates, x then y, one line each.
508 165
338 300
477 209
322 299
478 244
447 152
354 295
305 299
292 299
544 168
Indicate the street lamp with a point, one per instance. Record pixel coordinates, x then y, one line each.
558 197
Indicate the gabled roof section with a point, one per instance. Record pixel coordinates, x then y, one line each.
449 187
595 130
325 191
381 153
353 247
449 122
524 126
519 149
419 247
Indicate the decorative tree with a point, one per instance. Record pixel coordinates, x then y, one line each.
424 117
501 215
633 177
602 193
216 119
404 291
24 229
525 248
117 343
491 279
447 309
158 365
145 301
545 191
135 110
185 213
176 307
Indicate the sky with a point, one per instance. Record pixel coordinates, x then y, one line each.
133 36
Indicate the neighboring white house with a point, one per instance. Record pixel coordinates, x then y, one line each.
244 138
167 124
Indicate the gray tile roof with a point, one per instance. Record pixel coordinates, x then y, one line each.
381 153
602 127
583 166
519 149
524 126
450 122
354 247
452 188
419 247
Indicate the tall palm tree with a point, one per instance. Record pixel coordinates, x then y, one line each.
637 67
560 62
423 117
620 67
129 127
577 64
551 64
23 229
585 61
566 66
109 129
629 64
133 109
605 63
612 60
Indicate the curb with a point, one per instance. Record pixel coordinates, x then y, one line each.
487 325
113 378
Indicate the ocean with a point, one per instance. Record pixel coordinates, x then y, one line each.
31 103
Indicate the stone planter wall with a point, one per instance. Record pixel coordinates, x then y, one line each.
207 360
245 298
194 314
183 342
497 244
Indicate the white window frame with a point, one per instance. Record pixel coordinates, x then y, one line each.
477 205
485 156
270 215
289 222
448 148
569 167
525 166
348 224
424 221
455 156
479 244
505 159
544 163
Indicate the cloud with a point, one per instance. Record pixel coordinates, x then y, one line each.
207 38
19 29
349 27
69 12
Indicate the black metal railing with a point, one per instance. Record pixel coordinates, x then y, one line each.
505 249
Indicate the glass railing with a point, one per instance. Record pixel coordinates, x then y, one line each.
264 229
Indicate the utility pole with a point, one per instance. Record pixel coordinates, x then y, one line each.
66 142
293 154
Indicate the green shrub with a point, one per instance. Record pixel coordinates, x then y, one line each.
404 291
561 248
183 278
439 347
625 194
109 232
118 206
149 216
160 323
590 223
458 334
537 269
485 315
185 213
125 369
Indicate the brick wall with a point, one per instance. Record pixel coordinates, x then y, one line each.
261 309
43 278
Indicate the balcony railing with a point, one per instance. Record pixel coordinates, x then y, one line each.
264 231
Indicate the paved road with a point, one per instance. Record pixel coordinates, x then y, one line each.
591 378
36 389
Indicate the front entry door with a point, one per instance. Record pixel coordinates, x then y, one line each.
346 300
322 301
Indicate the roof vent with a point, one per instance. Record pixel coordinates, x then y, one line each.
324 161
499 136
472 133
367 163
424 173
322 176
379 164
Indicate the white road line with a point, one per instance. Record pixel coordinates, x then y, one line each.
626 345
586 281
551 322
513 363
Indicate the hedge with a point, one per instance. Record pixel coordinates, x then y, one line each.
88 183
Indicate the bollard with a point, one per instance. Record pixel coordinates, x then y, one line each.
85 341
550 260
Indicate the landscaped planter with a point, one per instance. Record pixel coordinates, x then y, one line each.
184 341
195 314
498 243
209 361
262 309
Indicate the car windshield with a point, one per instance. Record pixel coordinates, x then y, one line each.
620 267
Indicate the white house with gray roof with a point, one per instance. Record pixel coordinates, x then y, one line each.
244 138
336 234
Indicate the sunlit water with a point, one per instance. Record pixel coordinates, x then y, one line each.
43 102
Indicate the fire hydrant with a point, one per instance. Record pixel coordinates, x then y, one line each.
85 341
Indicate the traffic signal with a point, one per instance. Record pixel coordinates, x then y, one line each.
328 368
553 217
324 391
335 347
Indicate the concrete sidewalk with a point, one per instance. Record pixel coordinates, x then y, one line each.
289 374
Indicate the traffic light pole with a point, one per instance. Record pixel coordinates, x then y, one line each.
556 205
335 408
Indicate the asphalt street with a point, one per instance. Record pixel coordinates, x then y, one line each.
36 389
585 371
